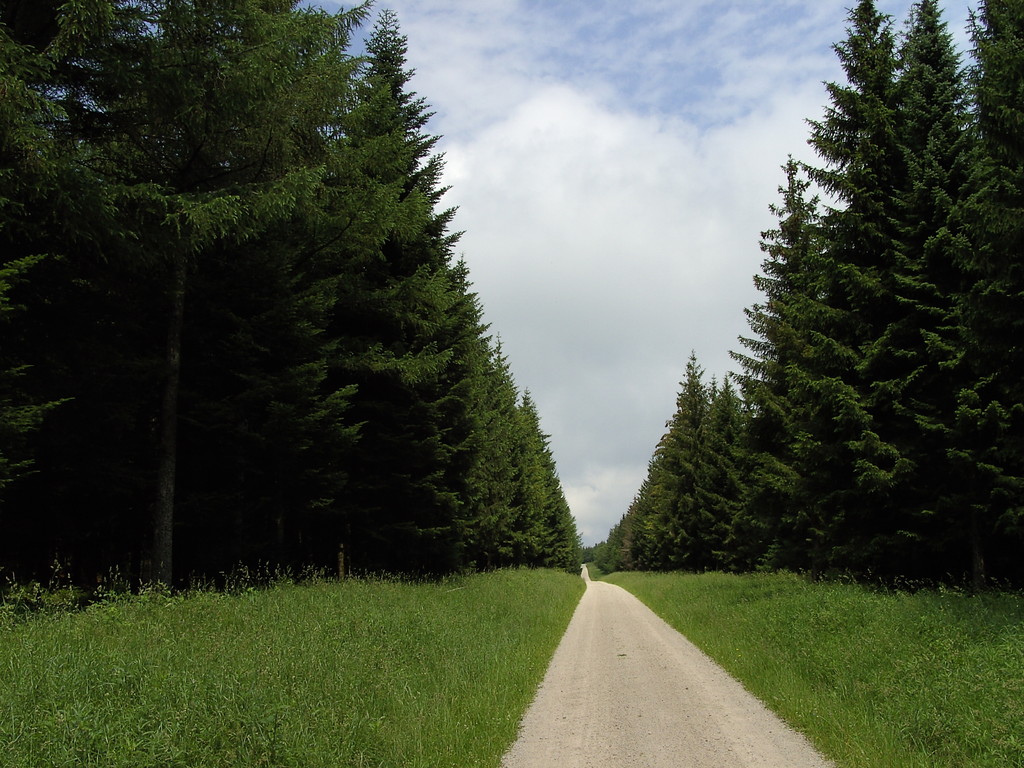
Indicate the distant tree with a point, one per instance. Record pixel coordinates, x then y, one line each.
613 554
722 484
665 526
493 471
516 512
555 540
684 515
645 545
682 520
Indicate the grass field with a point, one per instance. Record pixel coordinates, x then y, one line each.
931 679
359 673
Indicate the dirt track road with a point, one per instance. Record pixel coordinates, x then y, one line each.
625 690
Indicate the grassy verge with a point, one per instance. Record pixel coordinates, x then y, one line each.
875 679
361 673
595 571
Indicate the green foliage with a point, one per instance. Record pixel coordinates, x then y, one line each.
247 305
774 378
990 410
848 469
31 172
879 430
551 537
387 673
685 512
18 418
874 678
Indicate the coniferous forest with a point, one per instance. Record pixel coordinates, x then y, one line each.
234 331
876 428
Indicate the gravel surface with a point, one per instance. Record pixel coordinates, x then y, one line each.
625 690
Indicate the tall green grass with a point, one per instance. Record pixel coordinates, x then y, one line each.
876 679
359 673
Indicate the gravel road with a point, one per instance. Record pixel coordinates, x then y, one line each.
625 690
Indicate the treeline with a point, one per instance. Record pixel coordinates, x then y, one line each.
233 330
877 426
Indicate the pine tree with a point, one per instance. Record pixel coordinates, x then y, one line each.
549 531
614 553
200 128
848 469
215 144
722 488
404 321
494 468
265 443
683 516
643 541
774 523
276 340
923 346
991 411
683 527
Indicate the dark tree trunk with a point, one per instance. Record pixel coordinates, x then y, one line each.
163 510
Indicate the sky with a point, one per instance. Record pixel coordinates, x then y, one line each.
612 164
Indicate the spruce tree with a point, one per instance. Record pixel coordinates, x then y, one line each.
722 487
200 128
402 321
991 410
495 466
848 468
644 544
214 87
613 554
223 254
774 525
649 546
682 524
549 530
683 515
923 346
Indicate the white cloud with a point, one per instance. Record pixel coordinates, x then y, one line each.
613 164
589 497
605 247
